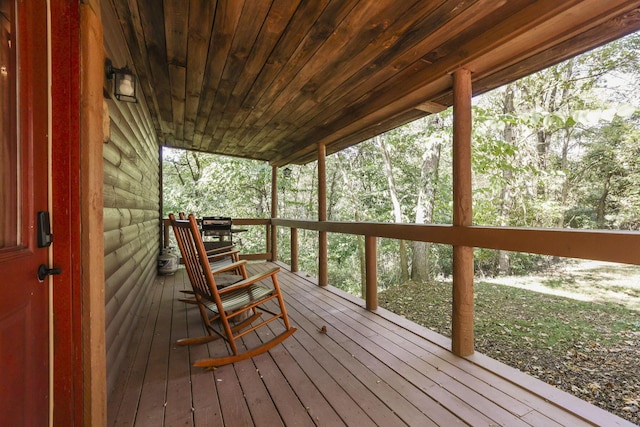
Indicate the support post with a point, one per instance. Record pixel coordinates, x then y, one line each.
323 258
462 336
268 239
165 232
294 250
94 376
274 212
371 262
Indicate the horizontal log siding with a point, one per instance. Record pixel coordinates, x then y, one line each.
131 209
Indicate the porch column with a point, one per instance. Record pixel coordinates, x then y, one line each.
294 250
322 215
94 375
371 261
462 320
274 212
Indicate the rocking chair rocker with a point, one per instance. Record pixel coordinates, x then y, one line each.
227 303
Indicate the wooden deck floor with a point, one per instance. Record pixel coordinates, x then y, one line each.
367 369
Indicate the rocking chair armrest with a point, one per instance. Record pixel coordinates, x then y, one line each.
214 257
229 267
249 281
214 251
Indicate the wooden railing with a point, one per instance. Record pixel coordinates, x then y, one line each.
602 245
614 246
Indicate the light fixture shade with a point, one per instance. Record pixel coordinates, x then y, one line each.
286 172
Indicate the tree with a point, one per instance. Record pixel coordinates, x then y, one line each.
432 134
380 141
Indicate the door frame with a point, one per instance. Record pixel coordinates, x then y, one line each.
66 303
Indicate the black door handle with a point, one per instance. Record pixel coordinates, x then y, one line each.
44 271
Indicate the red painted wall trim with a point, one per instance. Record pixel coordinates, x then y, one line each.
65 49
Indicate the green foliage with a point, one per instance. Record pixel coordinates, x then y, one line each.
560 148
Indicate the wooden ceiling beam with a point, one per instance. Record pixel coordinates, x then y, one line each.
606 32
431 107
301 154
557 29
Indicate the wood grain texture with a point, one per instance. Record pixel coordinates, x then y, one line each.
368 368
603 245
462 334
129 181
94 363
270 80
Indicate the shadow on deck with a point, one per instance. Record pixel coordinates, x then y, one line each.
369 368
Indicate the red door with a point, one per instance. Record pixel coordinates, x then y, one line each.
24 171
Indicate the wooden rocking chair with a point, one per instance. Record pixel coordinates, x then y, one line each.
230 302
219 259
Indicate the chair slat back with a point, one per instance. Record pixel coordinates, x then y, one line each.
193 252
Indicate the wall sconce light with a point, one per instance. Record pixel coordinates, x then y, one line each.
124 82
286 172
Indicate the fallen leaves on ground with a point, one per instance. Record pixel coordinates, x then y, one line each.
591 350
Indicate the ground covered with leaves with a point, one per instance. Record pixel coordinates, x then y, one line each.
589 349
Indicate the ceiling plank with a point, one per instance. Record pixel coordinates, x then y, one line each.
201 18
176 14
296 30
153 35
430 31
322 28
276 23
224 27
250 24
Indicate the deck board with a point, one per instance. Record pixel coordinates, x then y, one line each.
123 403
369 368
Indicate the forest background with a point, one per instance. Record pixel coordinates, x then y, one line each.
557 149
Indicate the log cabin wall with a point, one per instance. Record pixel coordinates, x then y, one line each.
131 207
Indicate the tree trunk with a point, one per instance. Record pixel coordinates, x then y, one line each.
397 208
332 196
352 192
420 270
601 209
363 267
504 263
564 193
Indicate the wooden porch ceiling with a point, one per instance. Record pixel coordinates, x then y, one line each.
270 80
